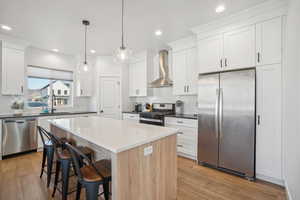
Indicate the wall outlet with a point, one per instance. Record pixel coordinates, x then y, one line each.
148 151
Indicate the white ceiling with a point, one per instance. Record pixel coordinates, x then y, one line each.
50 24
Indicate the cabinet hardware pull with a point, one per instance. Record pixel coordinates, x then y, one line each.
184 88
81 91
188 88
179 145
22 89
258 119
180 133
258 57
179 122
225 62
221 63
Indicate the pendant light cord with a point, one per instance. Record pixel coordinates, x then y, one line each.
122 25
85 45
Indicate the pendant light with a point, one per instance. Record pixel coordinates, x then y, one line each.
122 54
86 23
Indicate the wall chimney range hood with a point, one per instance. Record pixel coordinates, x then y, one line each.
164 79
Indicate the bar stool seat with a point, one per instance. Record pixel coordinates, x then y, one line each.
89 174
64 154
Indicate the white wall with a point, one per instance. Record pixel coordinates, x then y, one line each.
291 125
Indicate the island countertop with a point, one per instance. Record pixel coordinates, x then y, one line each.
111 134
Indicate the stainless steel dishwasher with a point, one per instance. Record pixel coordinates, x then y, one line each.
18 135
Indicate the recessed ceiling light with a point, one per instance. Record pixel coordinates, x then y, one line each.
158 32
5 27
92 51
220 9
55 50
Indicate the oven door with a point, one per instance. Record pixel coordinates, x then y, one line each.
159 122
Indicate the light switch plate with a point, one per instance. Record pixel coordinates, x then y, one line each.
148 150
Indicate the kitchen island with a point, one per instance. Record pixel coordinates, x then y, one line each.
144 158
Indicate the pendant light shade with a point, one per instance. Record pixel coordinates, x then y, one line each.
85 65
122 54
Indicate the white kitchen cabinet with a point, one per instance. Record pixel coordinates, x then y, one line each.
269 42
239 48
179 73
131 117
84 82
210 54
138 78
268 134
185 72
187 140
13 70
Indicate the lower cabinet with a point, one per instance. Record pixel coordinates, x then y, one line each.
187 139
131 117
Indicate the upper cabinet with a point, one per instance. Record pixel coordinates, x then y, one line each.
138 80
84 82
184 64
239 48
12 69
231 50
210 54
269 42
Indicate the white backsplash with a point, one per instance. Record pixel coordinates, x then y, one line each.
164 95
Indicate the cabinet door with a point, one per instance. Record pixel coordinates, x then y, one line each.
269 42
191 68
84 84
210 53
179 73
268 135
132 79
141 78
239 48
13 71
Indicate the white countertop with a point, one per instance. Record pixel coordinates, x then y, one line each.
111 134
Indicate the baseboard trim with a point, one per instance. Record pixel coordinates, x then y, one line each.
288 193
271 180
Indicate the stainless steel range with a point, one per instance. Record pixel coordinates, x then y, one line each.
157 116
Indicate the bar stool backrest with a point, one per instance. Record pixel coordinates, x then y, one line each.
44 134
79 159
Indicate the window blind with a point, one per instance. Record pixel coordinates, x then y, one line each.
41 72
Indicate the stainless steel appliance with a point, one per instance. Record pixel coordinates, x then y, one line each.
18 135
226 135
157 116
179 106
138 108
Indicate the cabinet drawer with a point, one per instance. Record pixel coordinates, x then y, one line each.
129 116
181 122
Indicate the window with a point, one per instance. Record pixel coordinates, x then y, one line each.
43 87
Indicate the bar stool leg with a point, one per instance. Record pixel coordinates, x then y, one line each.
106 190
65 164
92 190
78 192
57 170
44 161
50 155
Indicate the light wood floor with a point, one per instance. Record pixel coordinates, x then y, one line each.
19 180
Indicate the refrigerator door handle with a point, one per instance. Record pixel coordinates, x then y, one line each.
217 113
221 112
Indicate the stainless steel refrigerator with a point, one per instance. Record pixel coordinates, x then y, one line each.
226 131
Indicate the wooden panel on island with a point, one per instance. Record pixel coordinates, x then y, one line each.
148 177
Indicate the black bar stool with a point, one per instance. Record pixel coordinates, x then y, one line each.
90 175
63 163
48 153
